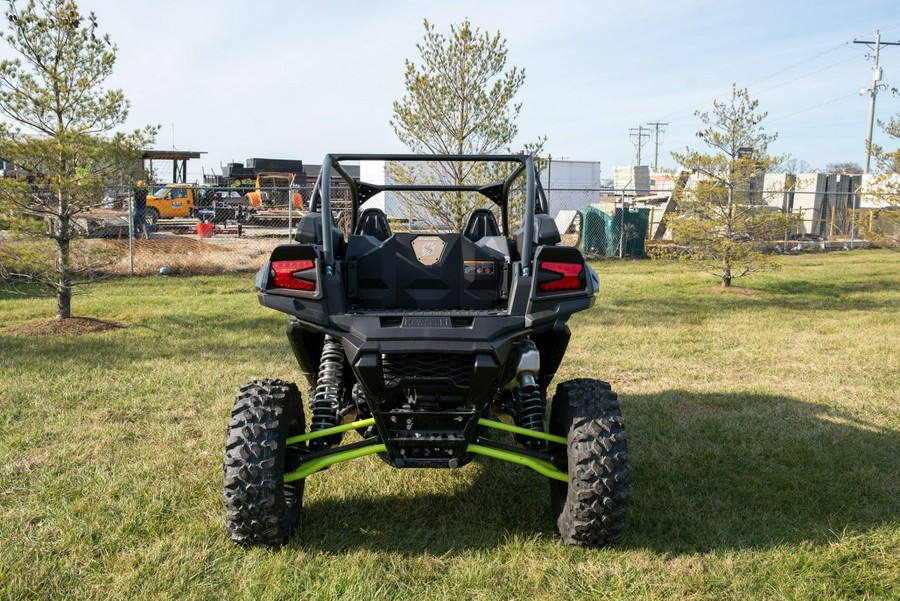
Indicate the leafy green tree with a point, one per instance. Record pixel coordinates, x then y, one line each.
724 227
459 100
59 132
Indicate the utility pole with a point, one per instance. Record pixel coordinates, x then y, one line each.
638 139
656 129
873 91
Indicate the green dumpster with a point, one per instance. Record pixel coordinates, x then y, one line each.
636 223
593 230
601 234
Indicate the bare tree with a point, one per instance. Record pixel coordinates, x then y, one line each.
790 164
849 167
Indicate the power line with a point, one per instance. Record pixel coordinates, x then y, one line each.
800 63
806 110
782 70
804 76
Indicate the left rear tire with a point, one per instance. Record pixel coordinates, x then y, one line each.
260 509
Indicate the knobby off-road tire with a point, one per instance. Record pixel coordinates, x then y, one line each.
260 509
589 510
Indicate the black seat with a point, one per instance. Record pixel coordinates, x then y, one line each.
309 231
482 223
373 222
545 233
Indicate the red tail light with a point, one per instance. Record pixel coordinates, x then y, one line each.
288 274
559 277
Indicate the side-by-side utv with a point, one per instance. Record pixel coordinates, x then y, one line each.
425 343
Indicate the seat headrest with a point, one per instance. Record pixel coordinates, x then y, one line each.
481 224
373 222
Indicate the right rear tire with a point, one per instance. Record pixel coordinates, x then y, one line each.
589 509
260 509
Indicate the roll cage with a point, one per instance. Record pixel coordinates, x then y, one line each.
498 193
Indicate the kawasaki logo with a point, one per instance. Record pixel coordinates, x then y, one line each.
427 322
428 249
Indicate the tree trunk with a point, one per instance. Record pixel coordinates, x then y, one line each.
726 275
64 281
64 302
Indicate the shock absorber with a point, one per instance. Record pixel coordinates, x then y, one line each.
326 405
531 408
529 404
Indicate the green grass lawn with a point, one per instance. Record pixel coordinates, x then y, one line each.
763 425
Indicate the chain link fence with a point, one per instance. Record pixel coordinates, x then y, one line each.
210 230
188 229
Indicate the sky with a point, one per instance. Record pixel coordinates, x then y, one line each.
299 79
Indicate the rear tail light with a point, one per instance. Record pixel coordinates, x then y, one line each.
296 275
560 277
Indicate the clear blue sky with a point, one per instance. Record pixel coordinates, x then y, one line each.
299 79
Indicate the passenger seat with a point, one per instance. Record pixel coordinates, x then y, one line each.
482 223
373 222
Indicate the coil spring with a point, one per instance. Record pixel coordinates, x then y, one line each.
531 408
329 390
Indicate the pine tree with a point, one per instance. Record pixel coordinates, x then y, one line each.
459 100
60 132
724 227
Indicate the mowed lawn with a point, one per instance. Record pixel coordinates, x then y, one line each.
763 428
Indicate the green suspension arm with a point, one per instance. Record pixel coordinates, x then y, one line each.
314 465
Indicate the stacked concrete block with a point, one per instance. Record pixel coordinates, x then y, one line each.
845 200
633 179
778 191
877 190
812 201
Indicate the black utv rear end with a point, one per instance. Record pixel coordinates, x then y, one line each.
417 340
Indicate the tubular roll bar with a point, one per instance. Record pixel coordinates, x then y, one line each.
322 190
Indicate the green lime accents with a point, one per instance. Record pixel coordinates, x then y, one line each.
363 423
321 463
492 423
539 465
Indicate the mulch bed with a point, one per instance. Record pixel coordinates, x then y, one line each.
61 327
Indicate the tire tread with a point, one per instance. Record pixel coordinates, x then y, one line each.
257 509
592 505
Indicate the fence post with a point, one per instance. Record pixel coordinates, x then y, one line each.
831 228
787 232
290 196
622 224
131 236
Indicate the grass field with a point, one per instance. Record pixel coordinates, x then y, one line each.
763 425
